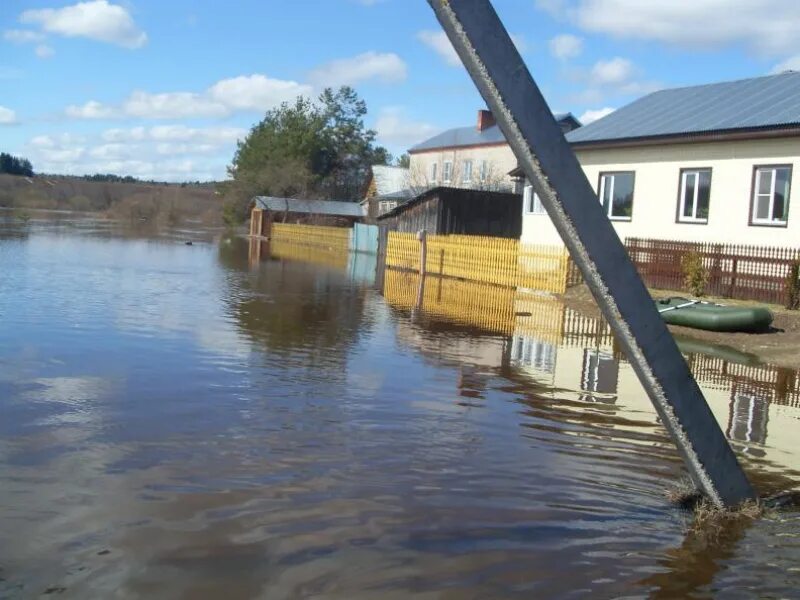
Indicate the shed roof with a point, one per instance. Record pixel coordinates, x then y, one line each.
769 102
471 136
311 207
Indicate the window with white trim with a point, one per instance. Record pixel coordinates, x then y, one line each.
694 196
532 202
484 173
434 167
771 195
447 172
466 176
616 195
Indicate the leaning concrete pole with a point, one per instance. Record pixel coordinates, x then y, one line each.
507 87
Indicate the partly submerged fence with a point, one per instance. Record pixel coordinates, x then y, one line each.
499 261
331 238
734 271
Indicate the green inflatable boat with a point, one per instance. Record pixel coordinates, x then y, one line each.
713 317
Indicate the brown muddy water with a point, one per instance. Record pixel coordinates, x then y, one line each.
198 422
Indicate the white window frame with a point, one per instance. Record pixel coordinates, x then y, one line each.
770 222
531 201
466 176
612 175
682 218
447 172
484 172
434 168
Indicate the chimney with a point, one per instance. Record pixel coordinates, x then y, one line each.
485 119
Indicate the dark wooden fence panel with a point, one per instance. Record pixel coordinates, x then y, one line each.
735 271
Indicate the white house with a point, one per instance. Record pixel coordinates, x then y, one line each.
476 157
711 163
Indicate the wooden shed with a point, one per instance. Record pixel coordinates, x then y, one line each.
332 213
445 210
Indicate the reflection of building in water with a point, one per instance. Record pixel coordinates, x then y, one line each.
600 372
748 420
531 353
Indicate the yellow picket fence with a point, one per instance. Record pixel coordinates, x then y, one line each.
499 261
333 238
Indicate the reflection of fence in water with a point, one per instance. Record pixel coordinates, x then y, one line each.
481 305
495 309
500 261
779 385
331 238
309 254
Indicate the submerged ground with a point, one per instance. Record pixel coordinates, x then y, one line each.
194 421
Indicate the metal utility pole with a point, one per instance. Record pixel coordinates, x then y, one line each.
503 80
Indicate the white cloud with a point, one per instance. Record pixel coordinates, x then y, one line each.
767 27
566 46
593 115
172 105
96 20
169 149
383 67
790 64
175 133
395 129
440 43
252 92
91 110
44 51
164 152
611 72
7 116
255 92
23 36
135 134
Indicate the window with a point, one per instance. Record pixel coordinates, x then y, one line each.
771 195
385 206
447 171
433 172
695 192
484 171
532 202
616 195
467 175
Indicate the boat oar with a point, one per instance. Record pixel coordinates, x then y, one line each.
684 305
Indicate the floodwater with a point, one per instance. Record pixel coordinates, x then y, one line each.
211 421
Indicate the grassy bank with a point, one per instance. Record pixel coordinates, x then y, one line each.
159 204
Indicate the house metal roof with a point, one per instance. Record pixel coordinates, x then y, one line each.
766 102
470 136
311 207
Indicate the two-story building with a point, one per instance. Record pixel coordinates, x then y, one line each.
475 157
708 163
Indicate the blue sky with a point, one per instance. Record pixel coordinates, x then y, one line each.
162 90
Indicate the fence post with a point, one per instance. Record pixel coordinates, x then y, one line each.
502 78
422 236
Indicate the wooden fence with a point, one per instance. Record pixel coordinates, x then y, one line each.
744 272
499 261
331 238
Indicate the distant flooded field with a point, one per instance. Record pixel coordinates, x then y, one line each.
235 420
